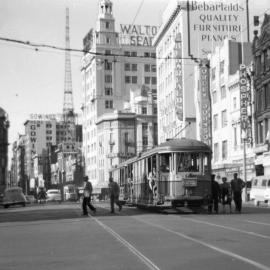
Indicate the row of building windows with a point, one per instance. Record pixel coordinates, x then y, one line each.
263 98
134 54
263 61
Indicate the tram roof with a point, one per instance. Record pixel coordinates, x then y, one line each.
183 144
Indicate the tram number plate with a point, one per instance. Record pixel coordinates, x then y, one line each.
190 182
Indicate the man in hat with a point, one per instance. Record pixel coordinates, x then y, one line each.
87 197
114 191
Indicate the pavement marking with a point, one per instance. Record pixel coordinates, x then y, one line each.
259 223
223 251
143 258
228 228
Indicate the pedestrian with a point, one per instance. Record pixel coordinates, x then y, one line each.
87 192
226 194
237 186
215 195
114 191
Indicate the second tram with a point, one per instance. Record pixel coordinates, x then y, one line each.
175 173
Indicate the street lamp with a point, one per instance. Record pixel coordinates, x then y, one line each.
244 137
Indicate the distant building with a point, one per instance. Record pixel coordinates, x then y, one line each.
115 63
4 126
261 52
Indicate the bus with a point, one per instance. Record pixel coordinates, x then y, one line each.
176 173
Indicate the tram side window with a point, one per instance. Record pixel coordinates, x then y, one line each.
165 162
206 163
188 162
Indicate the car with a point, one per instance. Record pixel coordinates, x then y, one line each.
53 195
13 196
260 190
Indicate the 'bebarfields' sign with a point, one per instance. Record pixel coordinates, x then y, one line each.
210 22
137 35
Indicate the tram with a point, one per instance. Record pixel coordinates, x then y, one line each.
175 173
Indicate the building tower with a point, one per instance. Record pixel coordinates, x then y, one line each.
68 96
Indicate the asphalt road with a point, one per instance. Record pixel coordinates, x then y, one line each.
57 237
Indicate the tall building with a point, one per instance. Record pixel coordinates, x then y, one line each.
190 30
114 64
261 52
4 126
226 110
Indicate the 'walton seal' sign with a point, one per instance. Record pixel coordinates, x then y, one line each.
137 35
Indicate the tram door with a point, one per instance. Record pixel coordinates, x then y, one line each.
165 161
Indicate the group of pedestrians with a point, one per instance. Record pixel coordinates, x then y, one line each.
114 191
225 193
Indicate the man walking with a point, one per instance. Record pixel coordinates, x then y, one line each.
237 185
114 191
215 195
87 197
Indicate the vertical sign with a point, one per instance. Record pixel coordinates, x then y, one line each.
243 98
178 77
205 129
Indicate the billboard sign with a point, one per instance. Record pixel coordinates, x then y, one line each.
210 22
137 35
205 129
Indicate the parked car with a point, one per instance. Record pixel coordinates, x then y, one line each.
13 196
53 195
260 190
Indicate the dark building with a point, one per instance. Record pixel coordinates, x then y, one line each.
4 125
261 52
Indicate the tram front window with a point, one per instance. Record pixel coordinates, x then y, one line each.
165 163
188 162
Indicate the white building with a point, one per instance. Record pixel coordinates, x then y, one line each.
227 142
114 64
189 32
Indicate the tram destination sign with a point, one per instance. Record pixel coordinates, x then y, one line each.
137 35
210 22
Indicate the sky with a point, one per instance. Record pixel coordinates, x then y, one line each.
33 81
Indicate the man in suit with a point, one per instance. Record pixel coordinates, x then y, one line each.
114 191
87 197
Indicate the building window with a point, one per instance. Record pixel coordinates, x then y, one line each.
145 140
108 104
224 150
147 80
108 40
108 78
144 110
221 68
146 68
144 127
127 67
214 97
134 67
216 153
134 79
153 68
33 127
146 54
126 53
153 55
267 95
154 80
235 137
108 91
48 125
213 74
223 91
155 110
224 118
133 54
234 103
107 25
127 79
108 65
215 122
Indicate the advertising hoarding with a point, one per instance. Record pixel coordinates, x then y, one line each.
210 22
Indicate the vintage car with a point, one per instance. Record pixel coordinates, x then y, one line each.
13 196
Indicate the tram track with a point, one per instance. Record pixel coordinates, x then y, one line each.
206 244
